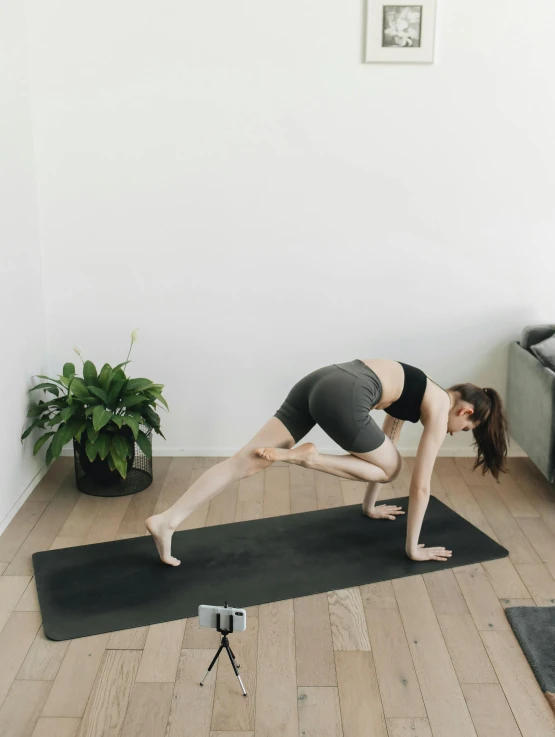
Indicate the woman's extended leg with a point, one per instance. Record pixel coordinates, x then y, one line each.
244 463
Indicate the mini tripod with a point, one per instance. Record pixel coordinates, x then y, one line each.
225 643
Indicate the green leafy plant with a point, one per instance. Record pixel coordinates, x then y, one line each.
102 411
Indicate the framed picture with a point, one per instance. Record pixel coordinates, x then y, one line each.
400 32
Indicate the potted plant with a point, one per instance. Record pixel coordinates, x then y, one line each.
102 413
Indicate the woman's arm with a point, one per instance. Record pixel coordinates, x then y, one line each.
428 448
392 429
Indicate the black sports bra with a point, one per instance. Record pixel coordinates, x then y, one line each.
407 407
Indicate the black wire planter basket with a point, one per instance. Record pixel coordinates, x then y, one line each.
97 479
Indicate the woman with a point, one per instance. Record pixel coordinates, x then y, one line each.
339 398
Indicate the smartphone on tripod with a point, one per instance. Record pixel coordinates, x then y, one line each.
226 620
231 619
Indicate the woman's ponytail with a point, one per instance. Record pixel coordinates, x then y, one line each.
491 432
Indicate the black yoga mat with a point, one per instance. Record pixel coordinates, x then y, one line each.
117 585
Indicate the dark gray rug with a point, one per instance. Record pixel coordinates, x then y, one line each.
534 628
117 585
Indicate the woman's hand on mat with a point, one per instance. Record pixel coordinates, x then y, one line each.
424 553
384 511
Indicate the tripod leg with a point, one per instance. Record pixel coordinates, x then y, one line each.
232 658
212 664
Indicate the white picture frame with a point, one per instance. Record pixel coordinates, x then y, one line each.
400 32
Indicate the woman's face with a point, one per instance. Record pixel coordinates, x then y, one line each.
460 419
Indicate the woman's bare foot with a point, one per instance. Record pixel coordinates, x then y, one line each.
162 534
301 455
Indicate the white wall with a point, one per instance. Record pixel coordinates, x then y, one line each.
234 181
23 328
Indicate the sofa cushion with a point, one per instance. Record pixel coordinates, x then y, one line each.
545 351
532 334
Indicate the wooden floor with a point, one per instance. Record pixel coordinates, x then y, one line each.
425 655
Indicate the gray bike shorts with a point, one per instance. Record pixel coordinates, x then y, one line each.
338 398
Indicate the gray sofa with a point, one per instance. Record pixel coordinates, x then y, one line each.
531 400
